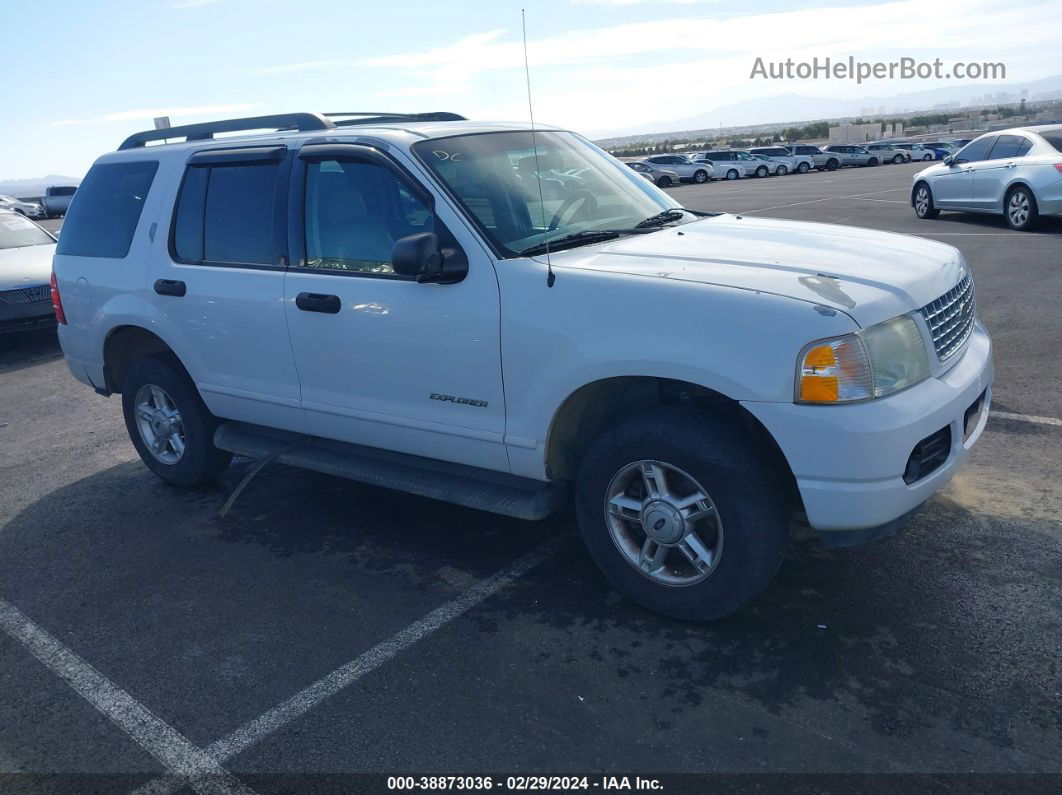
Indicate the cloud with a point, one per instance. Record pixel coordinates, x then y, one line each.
147 114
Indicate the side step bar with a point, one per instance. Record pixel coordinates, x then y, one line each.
482 489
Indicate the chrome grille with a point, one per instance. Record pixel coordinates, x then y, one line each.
951 318
27 295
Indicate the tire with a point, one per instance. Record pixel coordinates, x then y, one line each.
897 159
923 204
781 171
700 176
762 171
803 167
926 157
664 182
744 524
732 174
872 162
1020 210
833 164
200 460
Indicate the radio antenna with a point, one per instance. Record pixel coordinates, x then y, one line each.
550 278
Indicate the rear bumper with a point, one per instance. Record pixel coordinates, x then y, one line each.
849 461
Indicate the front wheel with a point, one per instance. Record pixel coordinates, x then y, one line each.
1022 212
872 162
781 171
732 174
700 176
923 202
168 423
664 182
833 164
682 513
927 156
897 159
803 168
762 171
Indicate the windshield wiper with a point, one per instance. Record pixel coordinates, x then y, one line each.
579 239
669 215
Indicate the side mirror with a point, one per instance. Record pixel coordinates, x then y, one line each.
422 257
949 161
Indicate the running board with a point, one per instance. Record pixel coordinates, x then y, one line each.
482 489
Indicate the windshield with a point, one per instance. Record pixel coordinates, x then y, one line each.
16 232
520 199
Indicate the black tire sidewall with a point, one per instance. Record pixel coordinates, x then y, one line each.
201 461
739 481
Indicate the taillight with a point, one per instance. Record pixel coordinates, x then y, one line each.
57 302
1058 167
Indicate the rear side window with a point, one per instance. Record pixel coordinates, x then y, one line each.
60 191
102 221
225 214
1006 146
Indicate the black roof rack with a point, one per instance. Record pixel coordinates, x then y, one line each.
204 131
385 117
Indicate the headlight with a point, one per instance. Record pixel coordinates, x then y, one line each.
869 363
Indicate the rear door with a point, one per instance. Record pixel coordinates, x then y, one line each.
218 284
993 174
385 361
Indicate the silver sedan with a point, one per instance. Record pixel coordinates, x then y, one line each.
25 274
1015 173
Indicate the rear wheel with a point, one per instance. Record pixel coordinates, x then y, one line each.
923 202
1021 210
682 513
168 423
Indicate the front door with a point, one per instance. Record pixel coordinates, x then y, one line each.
383 360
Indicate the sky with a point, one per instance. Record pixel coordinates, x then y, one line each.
83 75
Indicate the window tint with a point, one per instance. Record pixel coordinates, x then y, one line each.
61 190
1006 146
102 221
1054 138
1026 145
978 150
225 214
355 212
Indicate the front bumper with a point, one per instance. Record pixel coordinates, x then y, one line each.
849 461
26 317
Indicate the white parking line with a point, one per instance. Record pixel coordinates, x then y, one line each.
1006 415
302 702
195 767
824 199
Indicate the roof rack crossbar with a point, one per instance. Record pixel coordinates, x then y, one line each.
385 117
205 131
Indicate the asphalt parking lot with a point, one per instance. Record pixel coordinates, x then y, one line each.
324 627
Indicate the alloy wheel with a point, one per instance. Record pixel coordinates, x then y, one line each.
160 424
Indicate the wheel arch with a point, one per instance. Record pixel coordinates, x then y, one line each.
123 345
594 406
1018 182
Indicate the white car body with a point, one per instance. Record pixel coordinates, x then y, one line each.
687 170
28 209
980 176
733 302
729 163
782 156
853 155
888 153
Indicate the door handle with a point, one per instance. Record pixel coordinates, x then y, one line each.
318 302
170 287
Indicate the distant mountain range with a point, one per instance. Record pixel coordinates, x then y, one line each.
795 108
33 188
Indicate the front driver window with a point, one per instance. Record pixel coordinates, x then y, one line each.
355 211
976 150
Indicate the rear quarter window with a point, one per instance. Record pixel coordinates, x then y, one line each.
1054 138
102 220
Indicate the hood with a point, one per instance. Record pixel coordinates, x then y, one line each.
870 275
25 267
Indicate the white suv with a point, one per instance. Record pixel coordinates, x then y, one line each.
391 299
